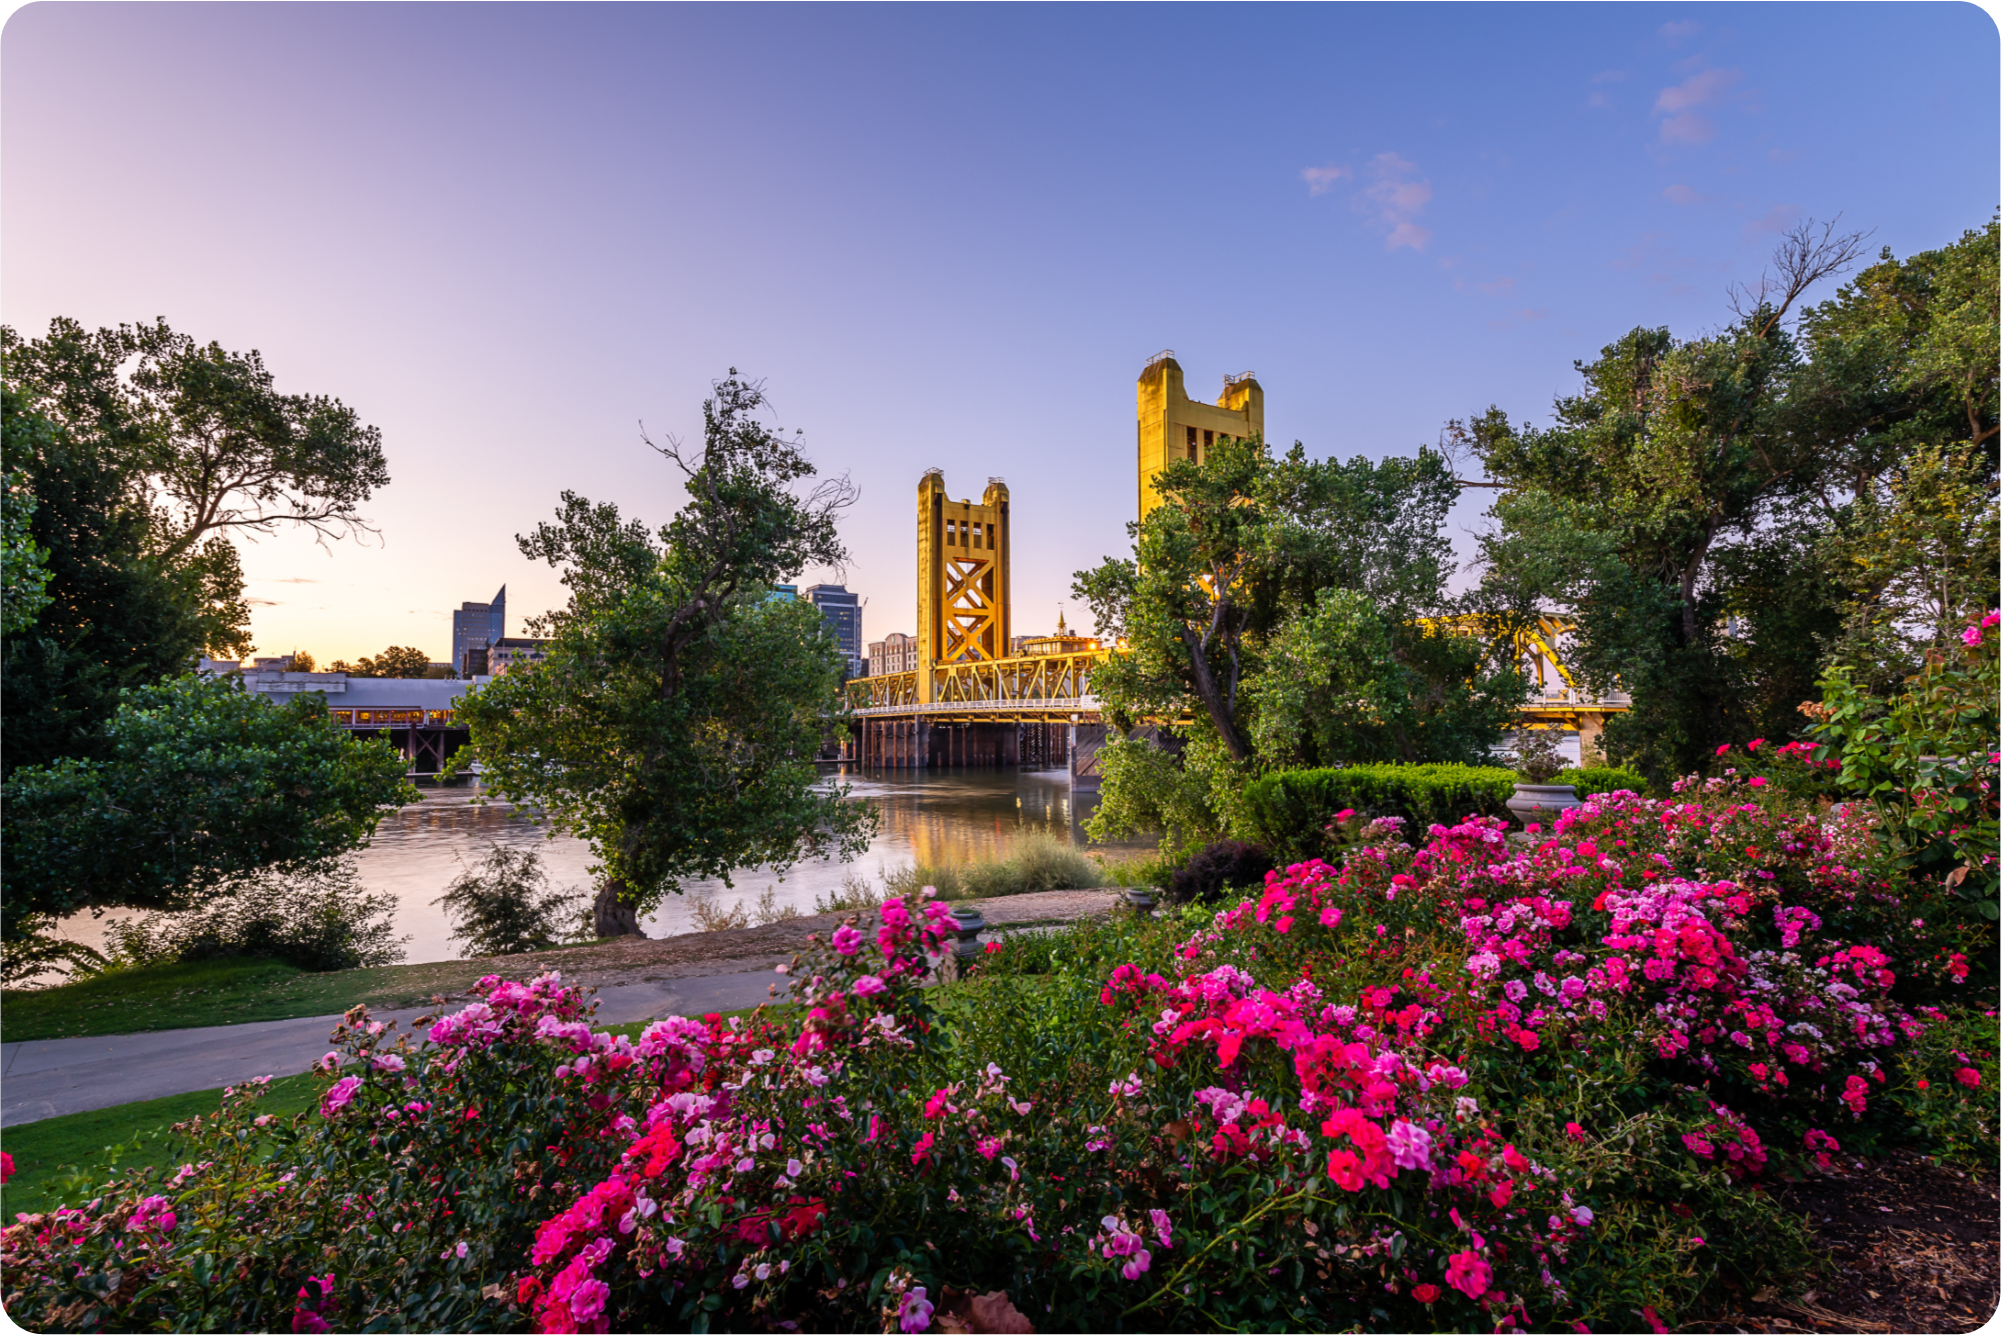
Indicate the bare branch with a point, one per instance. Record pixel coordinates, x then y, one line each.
1801 260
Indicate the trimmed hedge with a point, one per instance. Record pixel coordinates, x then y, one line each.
1288 812
1603 779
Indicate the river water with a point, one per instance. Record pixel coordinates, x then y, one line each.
931 816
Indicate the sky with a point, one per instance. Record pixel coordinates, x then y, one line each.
515 237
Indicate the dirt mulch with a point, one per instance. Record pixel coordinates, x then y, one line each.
1916 1246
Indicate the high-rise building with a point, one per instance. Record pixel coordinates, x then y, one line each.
1173 426
843 613
478 626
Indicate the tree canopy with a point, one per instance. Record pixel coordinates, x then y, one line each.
1294 612
1718 515
396 661
674 720
142 453
200 783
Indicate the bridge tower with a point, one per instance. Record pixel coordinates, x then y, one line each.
963 589
1173 426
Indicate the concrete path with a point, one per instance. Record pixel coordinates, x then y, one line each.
50 1077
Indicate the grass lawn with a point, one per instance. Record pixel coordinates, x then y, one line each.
50 1156
180 996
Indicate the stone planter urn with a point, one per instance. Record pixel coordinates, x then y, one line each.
1541 803
967 923
1142 899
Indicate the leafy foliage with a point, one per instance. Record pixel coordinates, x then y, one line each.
1927 759
505 906
1217 869
201 784
675 719
143 452
24 564
1714 514
318 916
1423 1087
1289 608
1290 811
395 661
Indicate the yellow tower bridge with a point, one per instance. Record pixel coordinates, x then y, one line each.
978 697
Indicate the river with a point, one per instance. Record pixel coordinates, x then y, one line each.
935 817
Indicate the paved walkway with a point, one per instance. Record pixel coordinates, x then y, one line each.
50 1077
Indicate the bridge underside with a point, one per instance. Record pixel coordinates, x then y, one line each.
425 748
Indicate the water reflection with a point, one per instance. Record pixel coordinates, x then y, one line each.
931 816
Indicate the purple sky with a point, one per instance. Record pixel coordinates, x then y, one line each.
944 236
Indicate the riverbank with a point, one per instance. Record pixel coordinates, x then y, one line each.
231 992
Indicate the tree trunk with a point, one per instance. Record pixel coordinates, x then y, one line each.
1212 699
610 917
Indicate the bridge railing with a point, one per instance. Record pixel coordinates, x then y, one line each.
1058 679
1035 679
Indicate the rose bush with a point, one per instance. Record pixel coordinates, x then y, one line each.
1459 1080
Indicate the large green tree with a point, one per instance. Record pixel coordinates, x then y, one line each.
143 451
24 563
1293 612
674 721
200 784
1687 509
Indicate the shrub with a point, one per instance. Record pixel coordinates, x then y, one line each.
1603 779
1536 760
1288 812
1462 1083
34 954
318 917
767 910
1227 864
505 906
1036 861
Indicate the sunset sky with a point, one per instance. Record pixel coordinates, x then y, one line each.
943 236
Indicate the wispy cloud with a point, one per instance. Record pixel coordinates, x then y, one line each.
1319 180
1775 219
1685 194
1397 197
1498 287
1678 31
1678 103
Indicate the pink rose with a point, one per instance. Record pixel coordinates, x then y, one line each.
847 940
1468 1273
339 1096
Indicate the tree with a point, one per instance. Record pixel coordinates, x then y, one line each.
300 661
1918 553
24 563
505 906
201 783
1290 609
143 452
1674 451
674 721
115 617
1701 509
203 432
395 661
